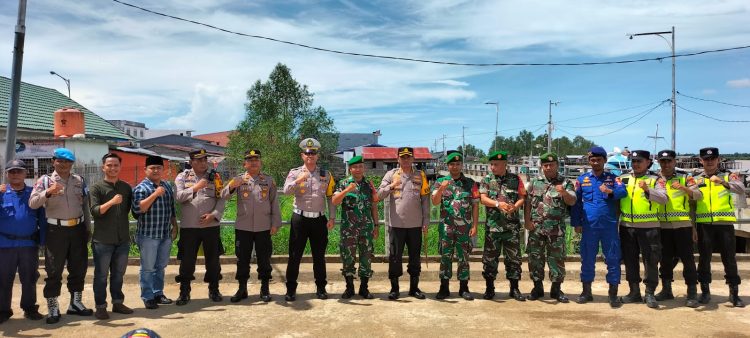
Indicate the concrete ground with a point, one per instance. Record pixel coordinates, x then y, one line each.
309 316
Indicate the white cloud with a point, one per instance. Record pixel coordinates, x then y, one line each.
739 83
452 83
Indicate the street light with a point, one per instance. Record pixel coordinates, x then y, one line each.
67 81
549 126
674 102
497 115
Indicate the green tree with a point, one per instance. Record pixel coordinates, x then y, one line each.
280 113
472 150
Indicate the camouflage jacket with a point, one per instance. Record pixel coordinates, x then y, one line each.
356 208
457 200
507 188
548 210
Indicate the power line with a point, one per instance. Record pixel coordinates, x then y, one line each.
399 58
711 117
611 111
709 100
475 134
627 125
615 122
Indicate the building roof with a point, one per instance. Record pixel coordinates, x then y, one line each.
351 140
37 106
389 153
183 141
221 138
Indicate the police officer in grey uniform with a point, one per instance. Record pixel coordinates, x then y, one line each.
64 196
312 188
258 218
199 195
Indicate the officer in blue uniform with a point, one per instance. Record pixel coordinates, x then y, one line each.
595 215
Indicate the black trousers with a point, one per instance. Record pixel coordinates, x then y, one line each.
718 236
25 261
400 237
647 243
244 241
304 229
191 239
677 245
65 244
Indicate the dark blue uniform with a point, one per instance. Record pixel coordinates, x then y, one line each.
596 212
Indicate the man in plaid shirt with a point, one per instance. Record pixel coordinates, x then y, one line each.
153 206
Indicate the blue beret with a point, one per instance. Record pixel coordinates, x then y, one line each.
64 154
597 151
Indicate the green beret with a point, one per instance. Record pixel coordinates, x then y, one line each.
498 155
548 157
355 160
454 157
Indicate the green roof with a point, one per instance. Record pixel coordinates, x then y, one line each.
37 110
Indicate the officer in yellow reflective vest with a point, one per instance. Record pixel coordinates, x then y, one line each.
640 228
715 218
677 231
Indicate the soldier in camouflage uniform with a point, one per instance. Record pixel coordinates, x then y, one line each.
550 195
458 198
359 225
502 193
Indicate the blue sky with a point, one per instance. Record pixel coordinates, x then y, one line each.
128 64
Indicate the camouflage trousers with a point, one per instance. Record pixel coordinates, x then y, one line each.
454 238
356 238
546 249
507 242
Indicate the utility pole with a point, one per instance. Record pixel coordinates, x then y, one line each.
463 140
15 86
549 126
443 144
656 137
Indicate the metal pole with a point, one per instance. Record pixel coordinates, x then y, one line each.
15 87
674 98
549 126
67 81
497 117
463 140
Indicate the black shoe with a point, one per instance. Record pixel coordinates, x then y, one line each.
705 294
53 315
634 296
364 292
32 313
650 299
557 294
666 291
214 295
163 300
734 297
321 293
463 290
151 304
265 294
239 295
395 292
444 291
290 296
614 301
692 296
585 295
183 299
53 319
537 292
515 293
414 290
349 292
489 291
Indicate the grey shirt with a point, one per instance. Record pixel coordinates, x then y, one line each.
257 203
410 206
72 203
195 204
312 194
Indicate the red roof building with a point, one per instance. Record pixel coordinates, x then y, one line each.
388 154
220 139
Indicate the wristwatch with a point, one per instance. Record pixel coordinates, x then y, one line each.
497 204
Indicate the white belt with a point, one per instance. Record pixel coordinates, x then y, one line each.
65 222
308 214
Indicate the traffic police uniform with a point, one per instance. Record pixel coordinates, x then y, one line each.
640 229
596 212
22 230
309 220
409 209
193 234
257 213
68 231
715 218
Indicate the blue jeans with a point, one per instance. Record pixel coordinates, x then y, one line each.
154 258
110 260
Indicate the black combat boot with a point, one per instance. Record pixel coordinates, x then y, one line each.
394 293
321 293
585 295
556 293
650 299
489 292
614 301
705 293
184 297
213 293
414 290
32 313
463 290
692 296
515 293
444 291
241 292
53 310
265 294
349 291
364 292
537 292
734 297
634 296
666 291
76 305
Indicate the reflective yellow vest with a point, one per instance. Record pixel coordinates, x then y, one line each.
635 206
716 204
677 207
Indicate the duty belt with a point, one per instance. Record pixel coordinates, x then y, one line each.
308 214
65 222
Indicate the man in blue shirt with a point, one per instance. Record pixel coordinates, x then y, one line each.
22 230
595 215
153 206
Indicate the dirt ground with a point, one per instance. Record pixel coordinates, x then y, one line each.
309 316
